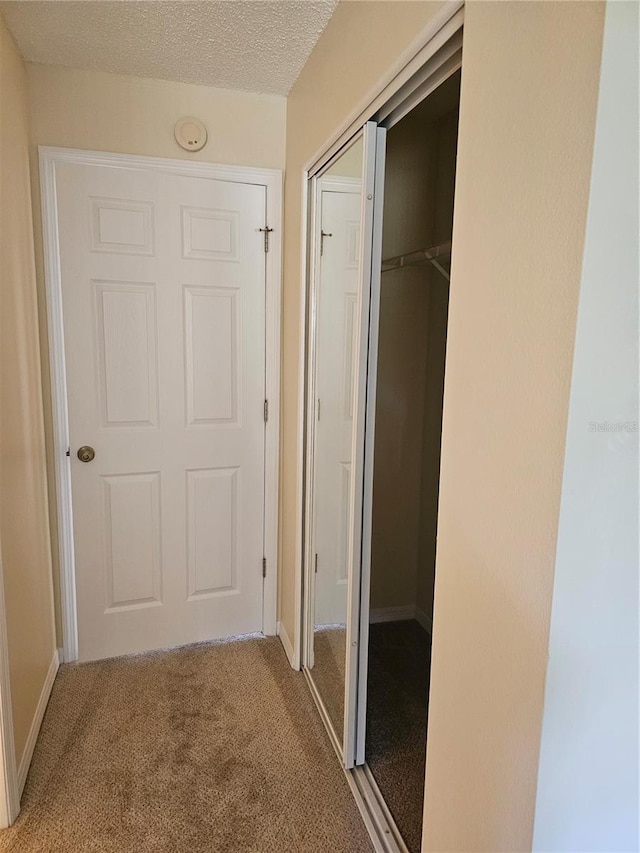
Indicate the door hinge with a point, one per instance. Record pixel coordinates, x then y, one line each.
264 567
315 568
323 234
266 231
266 411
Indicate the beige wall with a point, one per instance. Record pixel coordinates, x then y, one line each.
529 89
134 115
24 527
360 43
108 112
529 92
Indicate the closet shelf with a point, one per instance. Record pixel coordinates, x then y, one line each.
435 255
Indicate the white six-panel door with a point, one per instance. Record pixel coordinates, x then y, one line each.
163 291
340 204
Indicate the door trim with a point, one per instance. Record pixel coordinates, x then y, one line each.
271 179
400 82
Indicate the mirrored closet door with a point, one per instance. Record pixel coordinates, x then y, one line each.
381 226
341 198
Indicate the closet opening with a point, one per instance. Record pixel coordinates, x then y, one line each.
380 225
412 332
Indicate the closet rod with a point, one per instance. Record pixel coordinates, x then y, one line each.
432 256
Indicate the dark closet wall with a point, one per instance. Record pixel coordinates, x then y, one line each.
418 212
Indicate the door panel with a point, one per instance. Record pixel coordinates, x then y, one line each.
368 413
126 340
163 284
373 190
343 214
133 564
340 203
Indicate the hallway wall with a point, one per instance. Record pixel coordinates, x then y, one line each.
529 89
24 523
527 115
92 110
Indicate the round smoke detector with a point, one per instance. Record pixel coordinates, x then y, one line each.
190 134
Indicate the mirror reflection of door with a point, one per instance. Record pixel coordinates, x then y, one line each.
339 198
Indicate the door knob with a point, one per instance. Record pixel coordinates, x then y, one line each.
86 453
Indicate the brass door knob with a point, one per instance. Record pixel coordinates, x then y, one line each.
86 453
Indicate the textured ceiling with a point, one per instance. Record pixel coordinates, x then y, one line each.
236 44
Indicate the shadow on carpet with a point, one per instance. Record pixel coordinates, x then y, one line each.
215 747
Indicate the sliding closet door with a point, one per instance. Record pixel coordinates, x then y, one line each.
343 212
364 419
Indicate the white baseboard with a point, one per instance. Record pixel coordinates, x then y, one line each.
27 755
424 619
393 614
287 645
400 614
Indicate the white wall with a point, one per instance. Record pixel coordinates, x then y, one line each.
588 780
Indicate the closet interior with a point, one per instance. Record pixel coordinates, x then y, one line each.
376 345
414 297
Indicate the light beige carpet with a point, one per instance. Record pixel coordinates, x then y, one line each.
215 747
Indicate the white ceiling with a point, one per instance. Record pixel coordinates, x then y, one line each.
235 44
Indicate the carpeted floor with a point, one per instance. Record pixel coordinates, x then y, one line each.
397 699
215 747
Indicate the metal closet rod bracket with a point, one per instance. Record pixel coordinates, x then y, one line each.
433 255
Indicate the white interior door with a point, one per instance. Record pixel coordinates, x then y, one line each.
340 202
163 288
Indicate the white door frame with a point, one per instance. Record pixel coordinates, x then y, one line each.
271 179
